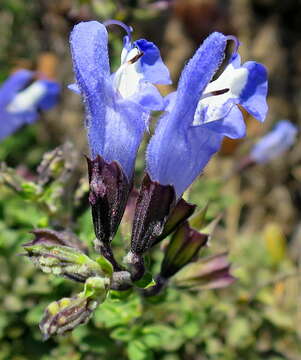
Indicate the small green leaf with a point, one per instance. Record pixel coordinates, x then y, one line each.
122 334
139 351
105 265
120 295
30 190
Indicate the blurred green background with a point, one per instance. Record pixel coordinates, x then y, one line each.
259 316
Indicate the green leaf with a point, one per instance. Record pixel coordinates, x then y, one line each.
122 334
105 265
139 351
30 190
165 336
117 313
240 333
146 281
120 295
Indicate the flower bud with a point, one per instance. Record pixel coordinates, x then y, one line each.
67 313
64 238
210 273
183 247
63 260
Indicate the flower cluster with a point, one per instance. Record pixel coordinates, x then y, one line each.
22 96
118 106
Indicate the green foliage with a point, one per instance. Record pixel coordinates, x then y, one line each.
249 320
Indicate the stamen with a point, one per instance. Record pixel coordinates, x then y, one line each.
135 58
215 93
236 42
128 29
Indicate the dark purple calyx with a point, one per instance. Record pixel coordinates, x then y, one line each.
109 191
182 249
154 205
180 213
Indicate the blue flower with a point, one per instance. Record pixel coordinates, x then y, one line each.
275 143
20 100
117 105
201 113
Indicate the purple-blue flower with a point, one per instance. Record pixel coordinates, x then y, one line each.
21 99
274 143
117 105
200 113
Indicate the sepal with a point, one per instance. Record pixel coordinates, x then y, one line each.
154 204
109 190
180 213
198 220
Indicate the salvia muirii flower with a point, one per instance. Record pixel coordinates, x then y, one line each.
22 96
197 117
200 113
117 107
275 143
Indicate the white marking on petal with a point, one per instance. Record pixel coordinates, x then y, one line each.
217 106
27 99
127 78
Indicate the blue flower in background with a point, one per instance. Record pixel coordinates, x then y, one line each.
21 98
200 113
117 105
275 143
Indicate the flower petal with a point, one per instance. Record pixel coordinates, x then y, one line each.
275 143
245 85
13 85
196 75
89 48
12 122
253 96
177 158
152 66
51 97
232 125
178 152
148 96
74 87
